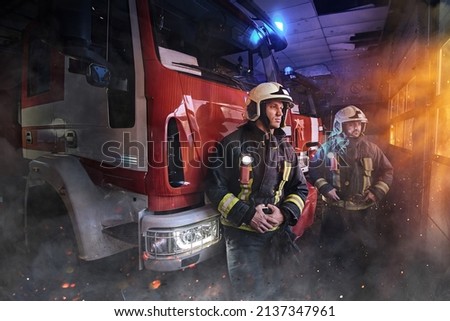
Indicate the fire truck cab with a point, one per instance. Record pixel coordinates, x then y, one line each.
122 101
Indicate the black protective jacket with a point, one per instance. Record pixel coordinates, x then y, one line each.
275 176
352 166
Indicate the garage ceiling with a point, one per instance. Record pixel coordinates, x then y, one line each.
323 31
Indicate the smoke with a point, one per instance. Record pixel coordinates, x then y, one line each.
11 182
11 206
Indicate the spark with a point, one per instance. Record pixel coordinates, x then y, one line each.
155 284
67 285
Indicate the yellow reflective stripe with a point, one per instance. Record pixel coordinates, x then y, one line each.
277 196
227 203
366 182
368 165
383 186
335 171
337 179
320 182
368 168
286 172
297 200
245 191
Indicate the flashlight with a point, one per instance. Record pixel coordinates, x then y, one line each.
246 162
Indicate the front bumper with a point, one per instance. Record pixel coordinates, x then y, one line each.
175 241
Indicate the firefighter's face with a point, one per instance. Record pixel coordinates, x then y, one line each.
352 129
274 112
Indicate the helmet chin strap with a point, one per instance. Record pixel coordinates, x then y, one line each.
263 119
262 125
265 122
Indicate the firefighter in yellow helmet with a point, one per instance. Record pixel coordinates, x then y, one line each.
353 175
256 184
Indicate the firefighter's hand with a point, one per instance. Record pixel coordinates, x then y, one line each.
276 217
370 197
332 195
262 222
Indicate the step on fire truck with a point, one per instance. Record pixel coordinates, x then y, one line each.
121 103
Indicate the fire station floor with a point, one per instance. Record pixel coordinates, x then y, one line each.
397 269
48 269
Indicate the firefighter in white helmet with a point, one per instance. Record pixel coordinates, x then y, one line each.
256 184
353 175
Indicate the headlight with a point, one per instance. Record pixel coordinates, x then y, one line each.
182 240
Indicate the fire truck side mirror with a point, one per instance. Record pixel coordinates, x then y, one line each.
101 76
98 75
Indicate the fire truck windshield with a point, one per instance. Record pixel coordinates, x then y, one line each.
212 39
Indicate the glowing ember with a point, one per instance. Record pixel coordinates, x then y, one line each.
155 284
67 285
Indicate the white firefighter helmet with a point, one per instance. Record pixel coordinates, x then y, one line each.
264 92
347 114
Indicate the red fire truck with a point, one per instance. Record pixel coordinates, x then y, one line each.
121 103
